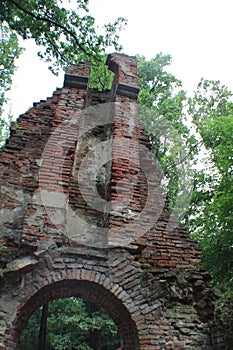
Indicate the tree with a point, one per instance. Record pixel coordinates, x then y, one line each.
212 207
64 32
162 113
212 111
9 52
72 324
43 327
209 218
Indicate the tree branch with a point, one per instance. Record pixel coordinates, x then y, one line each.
51 21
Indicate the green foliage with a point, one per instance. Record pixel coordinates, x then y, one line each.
9 52
162 114
63 30
155 83
70 325
101 77
212 112
211 214
225 308
29 339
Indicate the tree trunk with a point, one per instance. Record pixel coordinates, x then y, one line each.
95 339
94 334
43 327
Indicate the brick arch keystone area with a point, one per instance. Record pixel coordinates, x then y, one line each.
113 299
82 214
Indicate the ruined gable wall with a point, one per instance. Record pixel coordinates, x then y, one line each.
149 279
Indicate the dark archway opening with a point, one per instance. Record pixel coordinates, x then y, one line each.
70 323
92 293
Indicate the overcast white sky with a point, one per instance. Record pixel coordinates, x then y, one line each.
197 33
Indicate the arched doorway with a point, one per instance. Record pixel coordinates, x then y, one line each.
70 323
89 291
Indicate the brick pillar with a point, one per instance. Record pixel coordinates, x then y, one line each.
134 172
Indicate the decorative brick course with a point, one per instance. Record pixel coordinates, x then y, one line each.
109 245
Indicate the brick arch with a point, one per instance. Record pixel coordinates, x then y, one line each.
87 290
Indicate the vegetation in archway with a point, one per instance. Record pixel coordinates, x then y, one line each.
71 323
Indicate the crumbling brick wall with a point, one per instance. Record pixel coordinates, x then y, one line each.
82 214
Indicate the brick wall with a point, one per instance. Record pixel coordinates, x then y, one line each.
82 214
